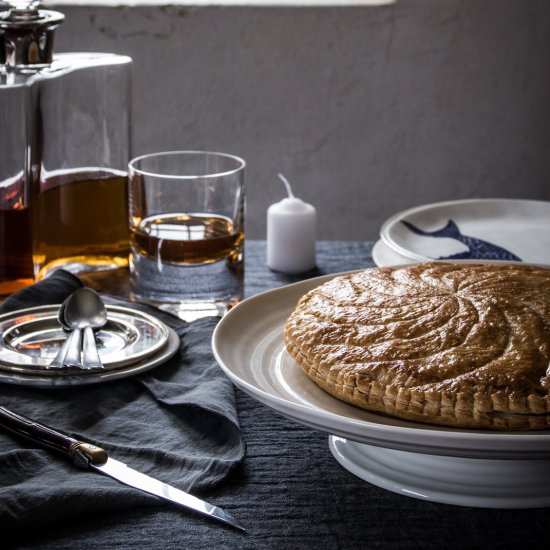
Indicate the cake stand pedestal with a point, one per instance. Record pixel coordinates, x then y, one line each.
482 483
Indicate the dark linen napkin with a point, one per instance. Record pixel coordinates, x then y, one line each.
177 423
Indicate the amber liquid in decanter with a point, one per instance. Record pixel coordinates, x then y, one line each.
82 221
16 267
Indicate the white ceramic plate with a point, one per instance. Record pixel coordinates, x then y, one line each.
384 256
248 345
476 229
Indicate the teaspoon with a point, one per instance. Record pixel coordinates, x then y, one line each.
59 360
85 311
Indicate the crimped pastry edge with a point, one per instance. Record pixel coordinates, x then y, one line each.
460 410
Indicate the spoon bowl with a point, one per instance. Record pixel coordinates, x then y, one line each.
85 308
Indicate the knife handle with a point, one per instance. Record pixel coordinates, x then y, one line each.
48 437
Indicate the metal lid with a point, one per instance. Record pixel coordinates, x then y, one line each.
26 35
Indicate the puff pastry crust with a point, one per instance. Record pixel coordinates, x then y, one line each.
451 344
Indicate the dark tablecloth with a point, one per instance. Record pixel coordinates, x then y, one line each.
290 492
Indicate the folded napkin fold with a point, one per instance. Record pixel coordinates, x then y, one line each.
177 422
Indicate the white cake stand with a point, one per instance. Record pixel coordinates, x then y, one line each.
454 466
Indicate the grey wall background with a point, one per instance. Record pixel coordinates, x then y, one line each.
366 110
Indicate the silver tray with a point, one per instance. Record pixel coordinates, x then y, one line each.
30 339
79 377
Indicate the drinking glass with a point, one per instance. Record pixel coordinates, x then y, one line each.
186 217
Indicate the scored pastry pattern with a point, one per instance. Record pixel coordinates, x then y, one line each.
450 344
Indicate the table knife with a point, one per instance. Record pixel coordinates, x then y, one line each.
85 455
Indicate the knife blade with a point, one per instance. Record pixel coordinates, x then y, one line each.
85 455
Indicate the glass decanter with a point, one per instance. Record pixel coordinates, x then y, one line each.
64 149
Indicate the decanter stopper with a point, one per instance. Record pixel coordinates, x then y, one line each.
26 35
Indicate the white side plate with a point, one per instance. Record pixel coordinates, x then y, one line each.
476 229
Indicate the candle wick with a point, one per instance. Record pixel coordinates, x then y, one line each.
287 185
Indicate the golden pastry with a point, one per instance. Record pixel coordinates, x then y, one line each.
453 344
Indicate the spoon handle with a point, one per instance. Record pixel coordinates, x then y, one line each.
91 358
72 358
59 360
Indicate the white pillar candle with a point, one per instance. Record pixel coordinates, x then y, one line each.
291 234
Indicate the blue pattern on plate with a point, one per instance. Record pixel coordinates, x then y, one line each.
477 248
